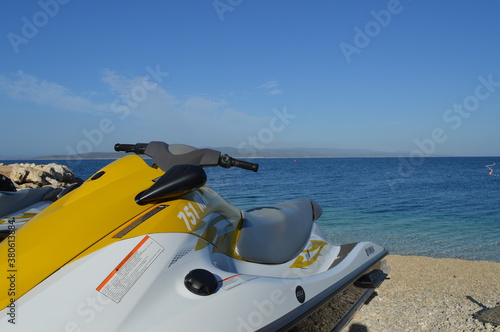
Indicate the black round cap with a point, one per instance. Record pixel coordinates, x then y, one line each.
201 282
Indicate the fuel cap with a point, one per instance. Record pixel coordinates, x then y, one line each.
201 282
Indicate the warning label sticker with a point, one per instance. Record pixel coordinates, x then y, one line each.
130 269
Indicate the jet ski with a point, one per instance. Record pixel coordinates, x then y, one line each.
152 248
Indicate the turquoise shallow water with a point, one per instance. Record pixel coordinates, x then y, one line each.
437 207
440 207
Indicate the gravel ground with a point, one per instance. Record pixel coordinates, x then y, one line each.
431 294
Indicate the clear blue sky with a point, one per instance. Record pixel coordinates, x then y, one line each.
419 76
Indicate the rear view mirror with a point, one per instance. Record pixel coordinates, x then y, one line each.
177 181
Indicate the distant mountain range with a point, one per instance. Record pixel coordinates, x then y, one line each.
311 153
264 153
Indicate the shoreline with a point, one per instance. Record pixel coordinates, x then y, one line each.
120 155
431 294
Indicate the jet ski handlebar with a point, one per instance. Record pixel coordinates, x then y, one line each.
226 162
138 148
168 155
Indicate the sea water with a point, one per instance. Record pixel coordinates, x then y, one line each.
437 207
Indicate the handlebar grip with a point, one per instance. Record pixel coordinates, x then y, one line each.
123 147
227 162
246 165
138 148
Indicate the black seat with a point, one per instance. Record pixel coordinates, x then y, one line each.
277 233
6 184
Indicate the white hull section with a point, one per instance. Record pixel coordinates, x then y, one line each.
138 285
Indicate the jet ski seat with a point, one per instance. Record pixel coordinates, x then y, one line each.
278 233
12 201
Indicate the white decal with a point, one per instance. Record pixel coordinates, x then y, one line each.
190 216
130 269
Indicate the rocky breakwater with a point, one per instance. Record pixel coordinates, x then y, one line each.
29 175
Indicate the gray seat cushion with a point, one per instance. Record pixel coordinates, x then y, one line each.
14 201
277 233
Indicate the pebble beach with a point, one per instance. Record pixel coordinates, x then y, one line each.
432 294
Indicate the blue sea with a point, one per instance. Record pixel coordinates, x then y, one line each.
437 207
